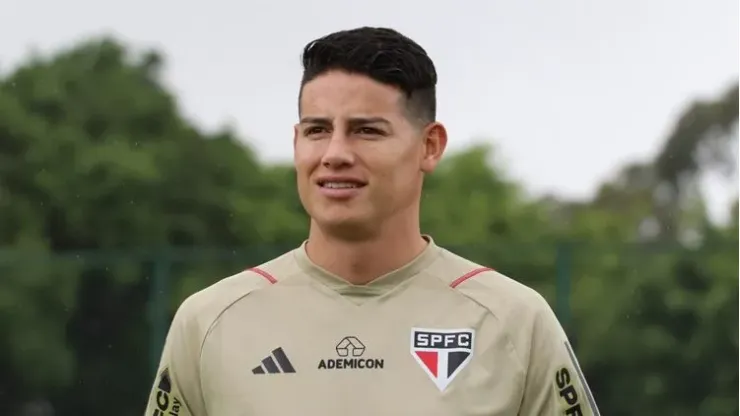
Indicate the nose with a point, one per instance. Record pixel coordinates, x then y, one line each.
338 153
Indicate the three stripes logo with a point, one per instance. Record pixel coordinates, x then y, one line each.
275 363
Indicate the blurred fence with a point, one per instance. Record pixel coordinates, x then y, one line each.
114 307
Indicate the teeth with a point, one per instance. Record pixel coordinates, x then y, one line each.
339 185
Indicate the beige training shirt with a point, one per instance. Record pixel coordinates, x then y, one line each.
440 336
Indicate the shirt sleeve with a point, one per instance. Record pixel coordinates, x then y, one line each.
555 384
176 390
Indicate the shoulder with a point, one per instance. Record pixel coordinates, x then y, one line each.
521 313
201 310
501 295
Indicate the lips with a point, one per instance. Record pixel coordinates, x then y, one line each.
340 183
340 188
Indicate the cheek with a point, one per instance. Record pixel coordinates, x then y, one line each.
401 173
305 158
304 166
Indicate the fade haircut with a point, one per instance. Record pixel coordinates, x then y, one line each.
383 55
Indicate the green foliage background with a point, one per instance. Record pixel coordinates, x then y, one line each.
100 174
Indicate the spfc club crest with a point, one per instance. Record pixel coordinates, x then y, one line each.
442 353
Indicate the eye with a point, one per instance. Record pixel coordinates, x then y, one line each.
313 130
369 131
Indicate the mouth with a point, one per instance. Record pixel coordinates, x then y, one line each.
332 184
340 189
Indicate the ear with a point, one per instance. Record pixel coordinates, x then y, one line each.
435 143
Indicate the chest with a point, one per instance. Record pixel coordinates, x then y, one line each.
449 359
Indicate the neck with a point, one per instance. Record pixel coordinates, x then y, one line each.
360 262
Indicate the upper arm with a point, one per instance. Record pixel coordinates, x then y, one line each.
176 389
554 384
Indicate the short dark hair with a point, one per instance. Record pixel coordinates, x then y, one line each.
382 54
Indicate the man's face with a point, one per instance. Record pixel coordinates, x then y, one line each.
358 157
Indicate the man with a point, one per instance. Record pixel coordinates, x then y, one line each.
368 316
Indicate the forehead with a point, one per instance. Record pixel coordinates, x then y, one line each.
338 94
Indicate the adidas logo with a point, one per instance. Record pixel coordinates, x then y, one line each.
275 363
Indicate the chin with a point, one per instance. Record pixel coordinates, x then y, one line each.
346 228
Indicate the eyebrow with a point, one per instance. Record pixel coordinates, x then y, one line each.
352 120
